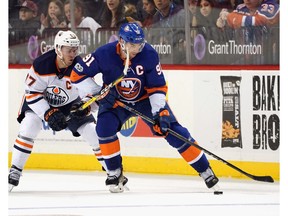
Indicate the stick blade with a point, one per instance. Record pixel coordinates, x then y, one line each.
263 178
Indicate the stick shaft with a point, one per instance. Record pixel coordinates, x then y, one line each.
106 90
184 139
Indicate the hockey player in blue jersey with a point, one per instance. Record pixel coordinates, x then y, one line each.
144 88
48 97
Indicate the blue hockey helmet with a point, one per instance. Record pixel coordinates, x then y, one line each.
132 33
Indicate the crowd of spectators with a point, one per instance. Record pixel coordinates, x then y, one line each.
34 17
94 14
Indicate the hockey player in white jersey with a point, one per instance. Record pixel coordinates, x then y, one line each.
49 96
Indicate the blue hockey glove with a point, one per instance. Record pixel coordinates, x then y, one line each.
162 122
77 112
109 101
56 119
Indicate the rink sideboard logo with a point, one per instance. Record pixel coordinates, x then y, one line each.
162 49
231 123
136 127
265 93
231 47
266 107
133 127
129 127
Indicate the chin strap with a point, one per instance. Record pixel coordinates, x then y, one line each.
59 74
60 55
61 59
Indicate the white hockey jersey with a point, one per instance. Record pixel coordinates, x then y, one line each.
47 86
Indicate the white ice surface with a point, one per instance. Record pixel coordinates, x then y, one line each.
63 193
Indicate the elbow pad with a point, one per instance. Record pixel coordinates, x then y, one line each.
157 102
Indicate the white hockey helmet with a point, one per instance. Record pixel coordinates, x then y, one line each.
65 38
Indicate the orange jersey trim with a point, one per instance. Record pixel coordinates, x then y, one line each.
110 148
74 77
235 20
33 95
157 89
191 153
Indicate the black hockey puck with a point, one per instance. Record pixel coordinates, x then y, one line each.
218 192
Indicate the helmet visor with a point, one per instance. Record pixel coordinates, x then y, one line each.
134 47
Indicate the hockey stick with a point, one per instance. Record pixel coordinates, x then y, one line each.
184 139
105 90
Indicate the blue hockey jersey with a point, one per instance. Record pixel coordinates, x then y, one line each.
144 77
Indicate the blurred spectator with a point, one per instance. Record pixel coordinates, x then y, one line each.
169 29
253 23
80 18
141 13
251 13
130 9
192 6
150 9
23 33
55 17
42 6
28 23
208 15
116 13
82 21
94 8
168 14
206 29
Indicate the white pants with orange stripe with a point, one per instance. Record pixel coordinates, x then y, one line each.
29 130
